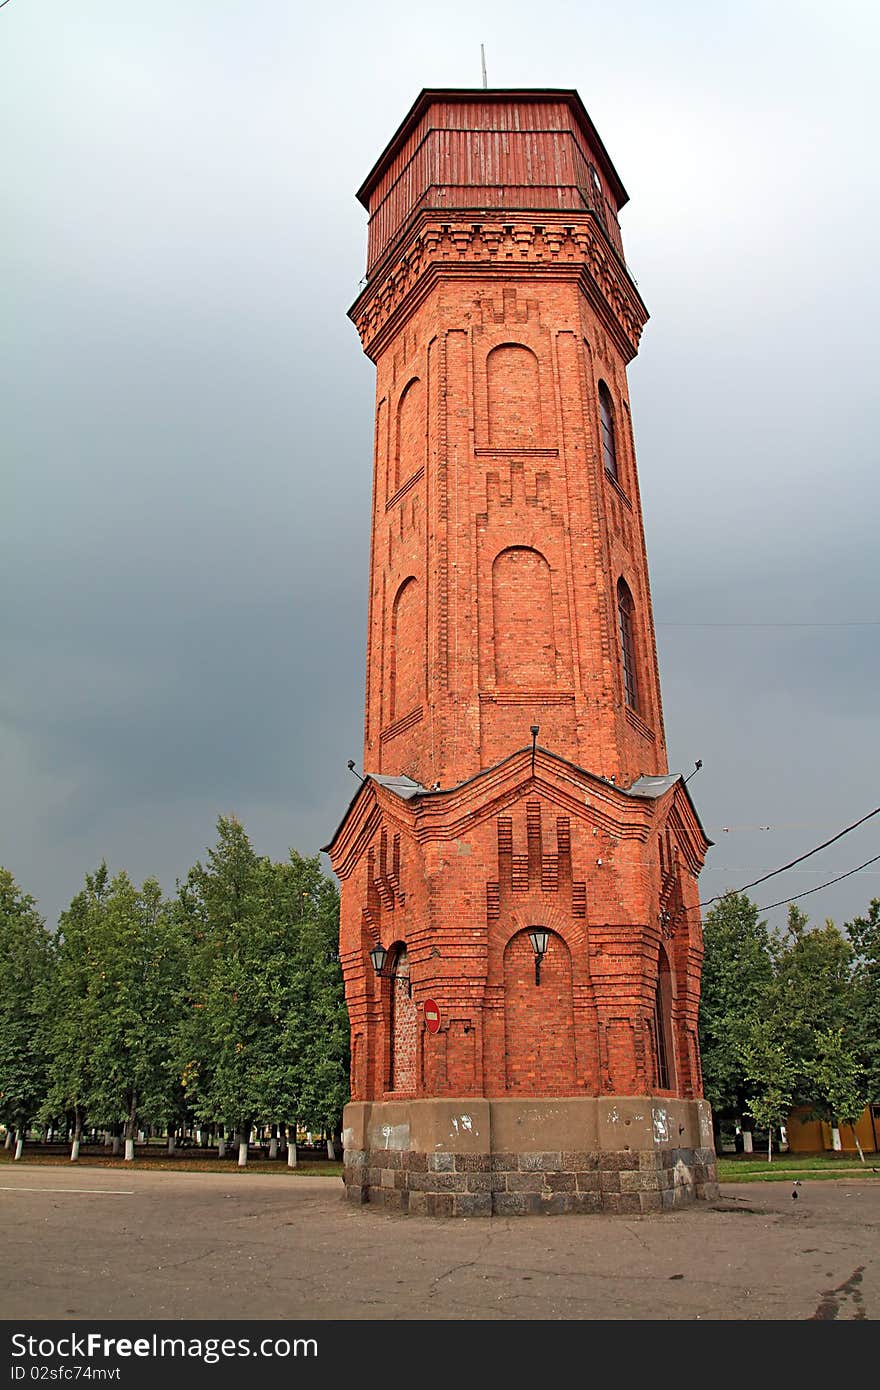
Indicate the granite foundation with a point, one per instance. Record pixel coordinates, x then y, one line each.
475 1157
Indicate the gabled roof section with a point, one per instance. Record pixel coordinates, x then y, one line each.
500 780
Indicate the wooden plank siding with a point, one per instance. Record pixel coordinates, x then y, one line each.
489 155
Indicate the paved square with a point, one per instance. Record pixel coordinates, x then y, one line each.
97 1243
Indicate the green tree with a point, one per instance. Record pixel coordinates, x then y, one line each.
259 1042
737 975
811 996
116 993
135 998
25 967
772 1073
864 935
69 1011
322 1024
839 1082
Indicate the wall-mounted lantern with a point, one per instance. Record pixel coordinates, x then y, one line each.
539 937
378 956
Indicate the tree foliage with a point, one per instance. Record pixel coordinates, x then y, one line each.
114 1002
737 976
265 1036
864 934
791 1021
25 964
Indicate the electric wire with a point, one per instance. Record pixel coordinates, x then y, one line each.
782 902
809 854
858 622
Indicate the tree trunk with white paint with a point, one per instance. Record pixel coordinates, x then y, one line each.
770 1146
242 1153
171 1142
273 1146
117 1145
331 1150
19 1144
131 1127
291 1153
748 1146
8 1142
221 1147
835 1139
77 1135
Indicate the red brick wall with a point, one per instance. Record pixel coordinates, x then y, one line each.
460 876
499 454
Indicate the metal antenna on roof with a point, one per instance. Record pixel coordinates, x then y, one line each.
483 62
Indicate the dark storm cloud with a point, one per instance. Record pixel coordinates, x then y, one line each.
188 415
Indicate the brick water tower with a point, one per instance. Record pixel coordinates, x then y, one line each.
520 932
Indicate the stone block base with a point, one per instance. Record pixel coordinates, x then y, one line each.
473 1157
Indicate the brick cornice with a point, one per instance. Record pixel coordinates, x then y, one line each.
554 244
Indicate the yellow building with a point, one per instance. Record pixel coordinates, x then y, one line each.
809 1135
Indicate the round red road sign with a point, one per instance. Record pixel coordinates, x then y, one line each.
432 1015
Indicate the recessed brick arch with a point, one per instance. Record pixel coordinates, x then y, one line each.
514 397
409 445
663 1030
522 615
403 1024
406 672
538 1019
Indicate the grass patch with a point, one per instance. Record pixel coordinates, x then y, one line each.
787 1167
155 1163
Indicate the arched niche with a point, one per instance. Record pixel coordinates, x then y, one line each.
539 1040
522 616
409 443
406 664
403 1025
513 388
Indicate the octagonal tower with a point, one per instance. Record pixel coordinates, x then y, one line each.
516 792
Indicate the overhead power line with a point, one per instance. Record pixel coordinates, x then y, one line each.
862 622
809 854
849 874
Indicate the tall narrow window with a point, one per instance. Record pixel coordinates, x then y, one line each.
606 420
660 1040
662 1026
627 645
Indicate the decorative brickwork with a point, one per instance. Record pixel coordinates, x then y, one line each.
509 589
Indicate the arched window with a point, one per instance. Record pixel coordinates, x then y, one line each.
606 420
665 1078
627 645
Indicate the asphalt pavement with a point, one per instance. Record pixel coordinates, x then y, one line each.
99 1243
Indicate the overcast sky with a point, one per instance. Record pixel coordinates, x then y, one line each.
187 413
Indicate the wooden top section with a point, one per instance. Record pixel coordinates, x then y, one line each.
491 151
